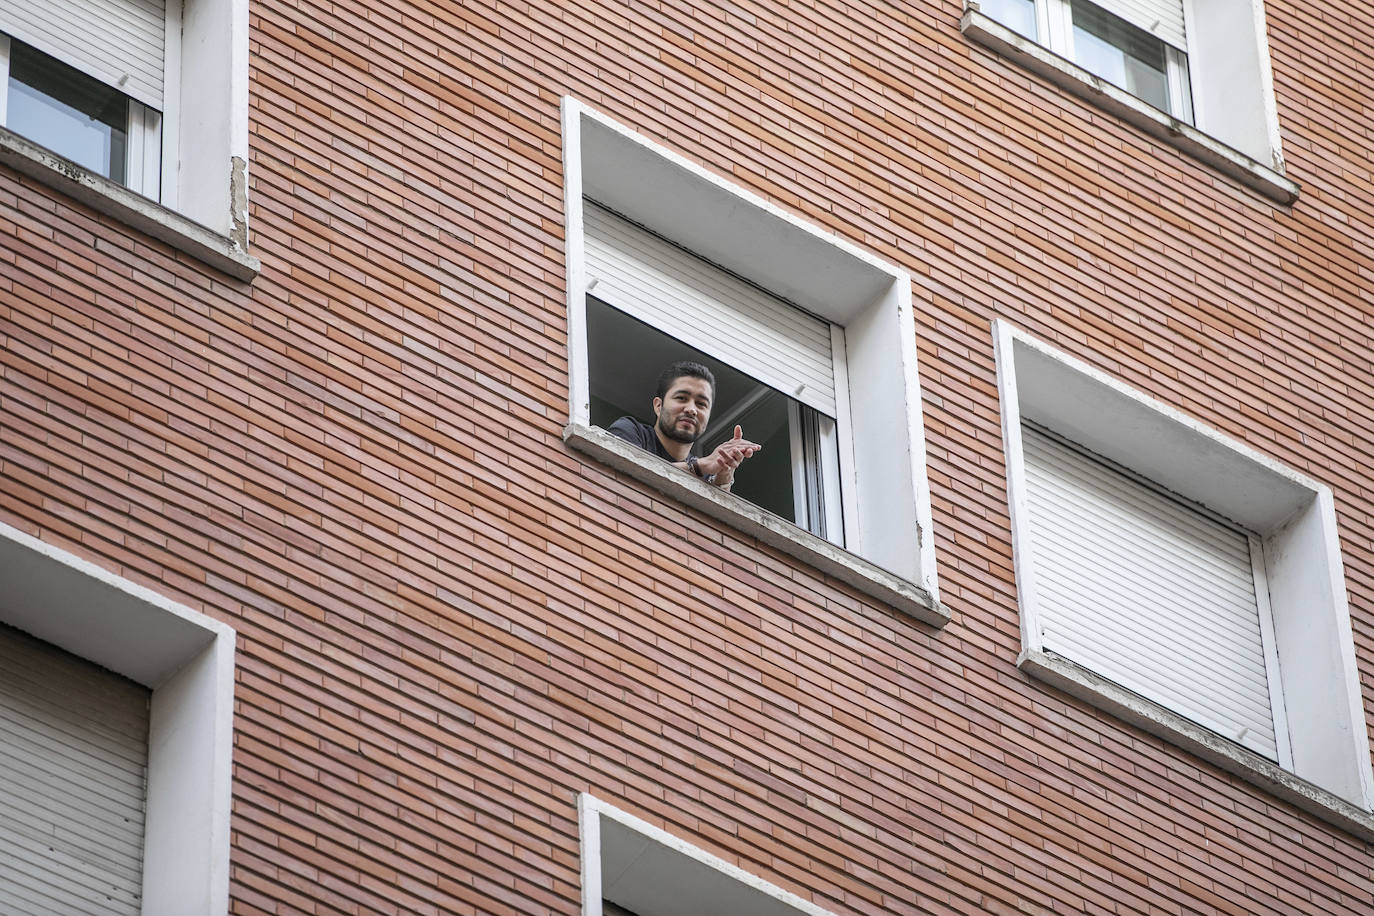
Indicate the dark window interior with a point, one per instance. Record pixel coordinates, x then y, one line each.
626 355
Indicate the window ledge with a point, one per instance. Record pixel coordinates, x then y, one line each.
757 523
1115 700
113 199
1074 79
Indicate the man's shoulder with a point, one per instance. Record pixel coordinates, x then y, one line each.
632 431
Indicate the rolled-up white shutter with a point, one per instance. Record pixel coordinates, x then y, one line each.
119 42
73 762
1161 18
709 309
1148 592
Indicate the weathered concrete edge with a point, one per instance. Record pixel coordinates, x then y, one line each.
1184 137
113 199
833 561
1111 698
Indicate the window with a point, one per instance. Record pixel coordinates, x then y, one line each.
1182 581
73 760
814 341
651 303
101 84
1166 65
181 664
631 867
1139 45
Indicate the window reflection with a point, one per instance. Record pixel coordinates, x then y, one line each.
1120 53
70 113
1017 15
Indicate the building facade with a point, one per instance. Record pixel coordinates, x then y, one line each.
325 590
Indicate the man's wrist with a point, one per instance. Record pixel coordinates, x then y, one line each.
694 465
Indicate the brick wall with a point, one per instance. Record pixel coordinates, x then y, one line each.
450 624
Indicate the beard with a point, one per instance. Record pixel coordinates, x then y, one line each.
672 433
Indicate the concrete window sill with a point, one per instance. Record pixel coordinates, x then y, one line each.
113 199
1184 137
1101 693
759 524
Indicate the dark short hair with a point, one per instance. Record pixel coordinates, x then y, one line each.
684 368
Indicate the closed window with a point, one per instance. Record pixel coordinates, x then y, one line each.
116 742
1200 62
1154 592
1181 580
1139 45
100 83
73 763
80 118
86 80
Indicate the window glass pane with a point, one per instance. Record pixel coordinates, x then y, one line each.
1110 47
68 112
625 357
1017 15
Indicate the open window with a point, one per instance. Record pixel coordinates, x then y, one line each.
812 342
1182 581
650 304
1194 73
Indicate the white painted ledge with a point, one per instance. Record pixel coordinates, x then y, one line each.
113 199
1182 136
1130 707
764 526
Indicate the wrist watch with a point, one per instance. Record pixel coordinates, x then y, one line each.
692 466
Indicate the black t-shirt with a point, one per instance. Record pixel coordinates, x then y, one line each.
640 434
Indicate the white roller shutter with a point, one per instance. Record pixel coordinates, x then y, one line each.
73 762
1148 592
709 309
1161 18
107 39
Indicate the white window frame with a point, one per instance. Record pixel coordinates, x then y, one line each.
668 876
195 197
890 552
187 660
1327 770
1240 138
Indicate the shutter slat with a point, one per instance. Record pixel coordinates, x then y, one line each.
73 765
1148 592
1224 588
706 308
105 39
1161 18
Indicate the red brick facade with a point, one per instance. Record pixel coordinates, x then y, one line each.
449 624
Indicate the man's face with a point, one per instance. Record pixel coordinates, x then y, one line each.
683 412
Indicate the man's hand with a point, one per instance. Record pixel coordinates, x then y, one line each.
726 457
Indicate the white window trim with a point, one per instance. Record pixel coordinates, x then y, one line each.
594 814
187 660
1268 181
890 554
203 183
1329 773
